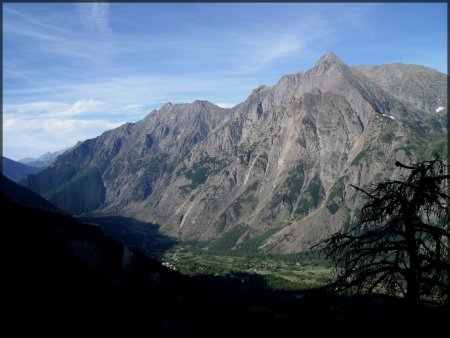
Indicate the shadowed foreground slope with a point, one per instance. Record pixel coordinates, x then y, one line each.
59 272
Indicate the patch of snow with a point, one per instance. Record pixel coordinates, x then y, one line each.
224 104
391 117
439 109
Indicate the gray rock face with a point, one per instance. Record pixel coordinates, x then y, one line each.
423 87
278 165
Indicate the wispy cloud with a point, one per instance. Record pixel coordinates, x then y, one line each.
99 14
31 137
97 17
45 109
46 39
287 46
138 90
33 22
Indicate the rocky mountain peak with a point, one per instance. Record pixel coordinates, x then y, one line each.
202 103
278 165
329 58
330 64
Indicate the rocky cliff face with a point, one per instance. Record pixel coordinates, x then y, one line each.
275 170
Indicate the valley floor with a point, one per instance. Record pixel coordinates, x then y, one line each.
293 272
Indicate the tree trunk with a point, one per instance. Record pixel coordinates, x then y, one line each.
412 280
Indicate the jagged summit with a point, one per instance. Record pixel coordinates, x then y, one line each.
194 105
329 58
202 102
329 63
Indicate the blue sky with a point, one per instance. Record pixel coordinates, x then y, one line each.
72 71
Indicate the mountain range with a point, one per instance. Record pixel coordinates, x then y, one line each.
272 173
43 160
18 170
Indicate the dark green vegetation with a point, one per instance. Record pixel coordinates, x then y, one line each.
417 145
246 201
200 171
276 272
420 146
312 196
361 155
228 239
302 199
335 197
250 246
245 154
294 184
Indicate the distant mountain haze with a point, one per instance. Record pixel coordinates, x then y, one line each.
44 160
274 170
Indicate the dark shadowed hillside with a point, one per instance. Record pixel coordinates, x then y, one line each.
61 274
17 171
18 193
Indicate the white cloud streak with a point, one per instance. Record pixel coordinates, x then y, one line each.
55 109
37 127
99 13
33 137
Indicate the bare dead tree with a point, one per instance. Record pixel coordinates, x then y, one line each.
400 245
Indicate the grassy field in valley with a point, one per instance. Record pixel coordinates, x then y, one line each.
279 272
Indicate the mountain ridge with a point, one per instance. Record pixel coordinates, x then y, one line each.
279 162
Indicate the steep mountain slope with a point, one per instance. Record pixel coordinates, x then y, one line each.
273 170
417 86
16 171
126 165
19 194
423 87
